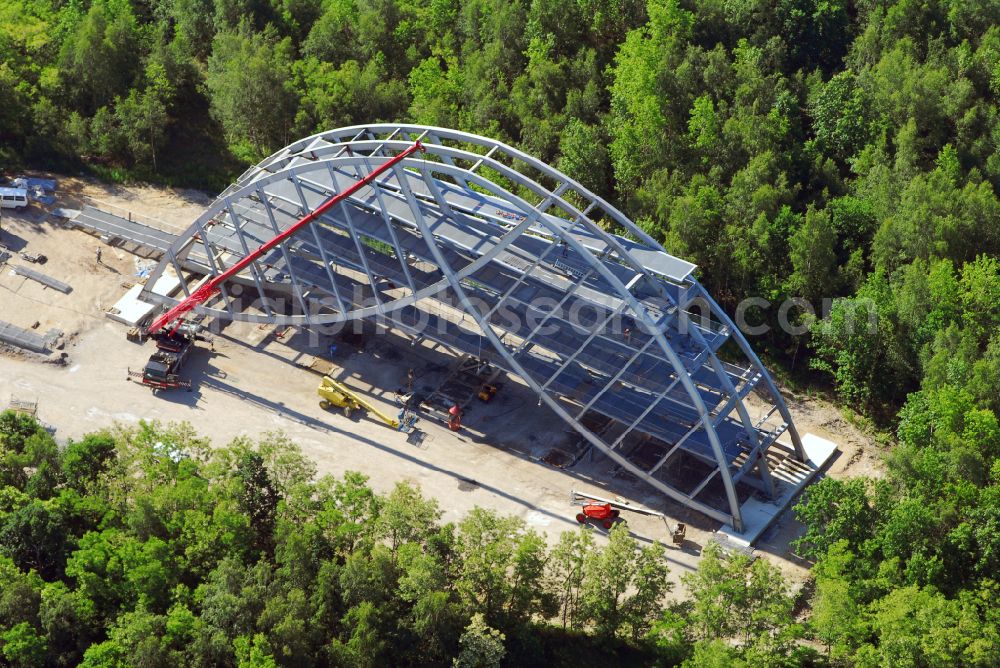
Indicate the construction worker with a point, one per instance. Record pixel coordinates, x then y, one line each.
409 380
455 421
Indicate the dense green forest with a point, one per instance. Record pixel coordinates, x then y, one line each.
819 149
846 152
146 547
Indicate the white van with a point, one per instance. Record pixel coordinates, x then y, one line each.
13 198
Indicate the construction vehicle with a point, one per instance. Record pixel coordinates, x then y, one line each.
162 371
599 511
487 392
606 511
334 393
472 378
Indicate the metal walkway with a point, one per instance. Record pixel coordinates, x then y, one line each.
115 227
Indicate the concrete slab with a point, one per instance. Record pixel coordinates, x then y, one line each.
131 310
758 515
167 284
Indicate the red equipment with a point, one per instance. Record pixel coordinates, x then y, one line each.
599 511
209 288
162 371
607 510
455 421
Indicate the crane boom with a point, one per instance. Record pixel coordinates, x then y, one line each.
210 287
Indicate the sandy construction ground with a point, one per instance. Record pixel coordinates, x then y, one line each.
251 384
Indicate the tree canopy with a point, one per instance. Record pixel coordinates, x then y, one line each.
146 547
840 153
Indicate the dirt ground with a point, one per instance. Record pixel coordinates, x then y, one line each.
166 208
251 384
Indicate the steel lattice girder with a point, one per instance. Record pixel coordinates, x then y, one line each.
486 250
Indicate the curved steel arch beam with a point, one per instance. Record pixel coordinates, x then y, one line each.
454 279
735 515
350 147
297 148
638 311
745 348
255 187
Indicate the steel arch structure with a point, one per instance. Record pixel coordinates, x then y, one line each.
488 251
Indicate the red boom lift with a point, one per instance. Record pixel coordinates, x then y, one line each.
606 511
599 511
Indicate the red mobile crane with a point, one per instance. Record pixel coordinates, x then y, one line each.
210 287
173 345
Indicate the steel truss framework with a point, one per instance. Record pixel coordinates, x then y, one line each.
484 249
